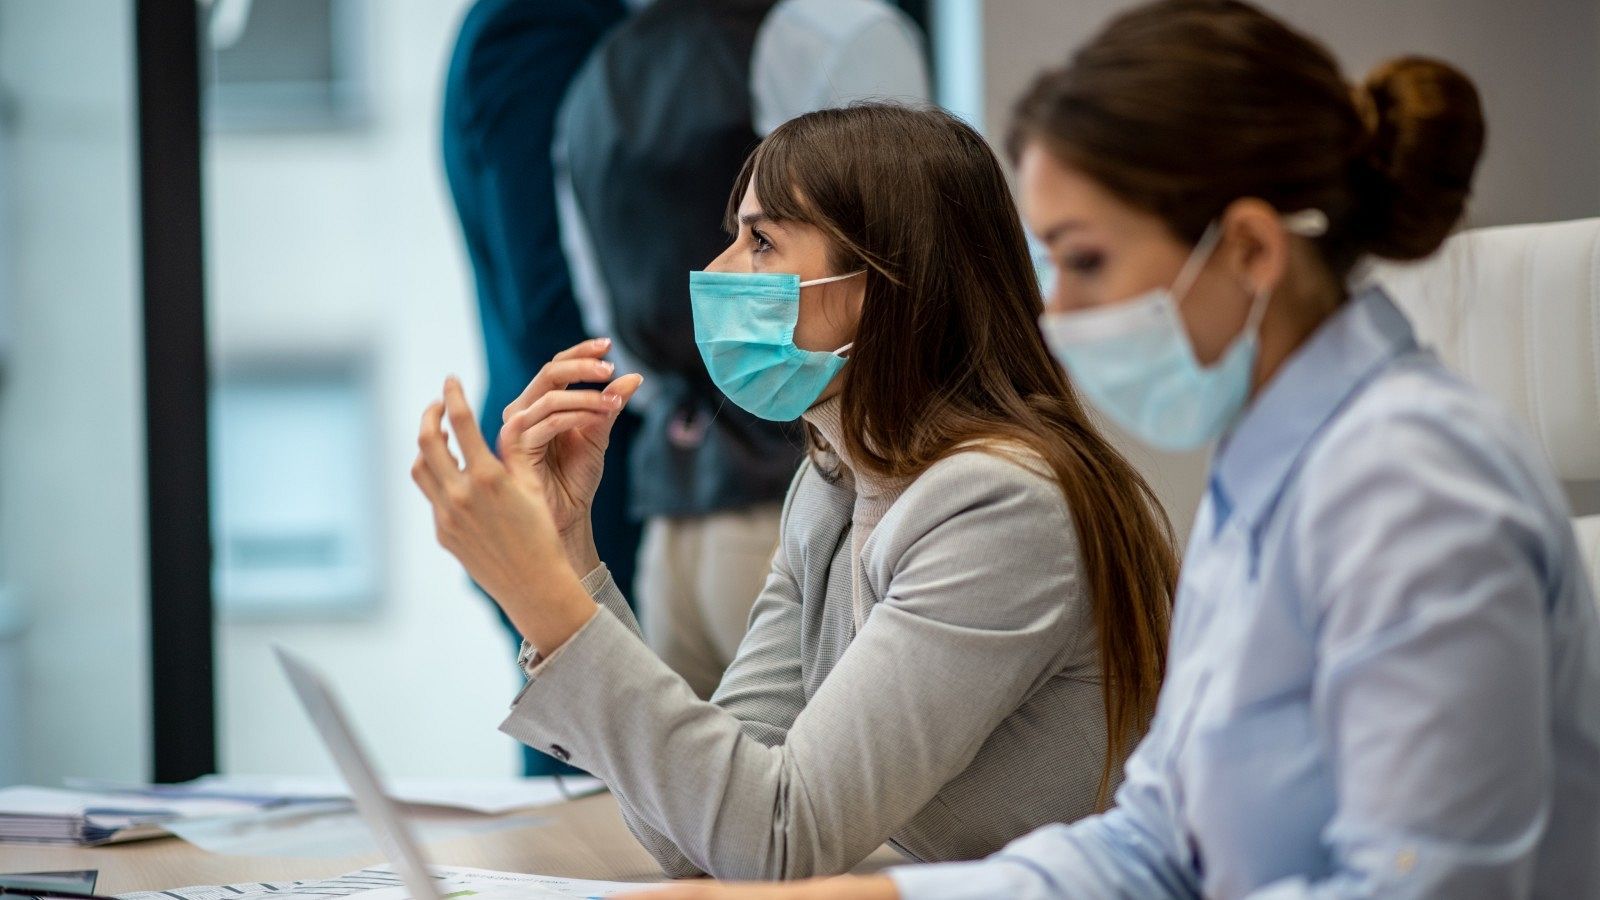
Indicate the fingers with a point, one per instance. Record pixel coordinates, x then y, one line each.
623 389
560 401
561 411
547 429
557 375
592 347
436 456
465 426
580 362
424 479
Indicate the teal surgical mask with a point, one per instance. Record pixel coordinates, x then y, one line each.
744 326
1135 362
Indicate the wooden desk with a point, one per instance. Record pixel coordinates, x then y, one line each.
582 839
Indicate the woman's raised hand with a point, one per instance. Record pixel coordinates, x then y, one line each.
492 516
561 435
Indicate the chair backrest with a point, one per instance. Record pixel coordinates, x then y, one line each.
1516 309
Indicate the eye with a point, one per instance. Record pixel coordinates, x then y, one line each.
760 240
1086 263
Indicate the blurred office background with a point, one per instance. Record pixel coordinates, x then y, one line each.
337 296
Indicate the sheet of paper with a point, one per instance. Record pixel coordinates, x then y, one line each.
342 886
381 883
485 795
322 830
456 882
22 800
52 816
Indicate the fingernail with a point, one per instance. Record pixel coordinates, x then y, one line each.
604 342
607 365
613 399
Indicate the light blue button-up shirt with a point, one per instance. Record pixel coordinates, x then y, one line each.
1384 677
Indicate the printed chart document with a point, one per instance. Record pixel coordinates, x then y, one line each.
381 883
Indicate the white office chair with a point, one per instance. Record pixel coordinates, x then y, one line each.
1516 310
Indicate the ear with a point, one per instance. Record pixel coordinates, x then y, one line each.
1255 245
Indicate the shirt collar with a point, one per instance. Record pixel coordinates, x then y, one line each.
1256 458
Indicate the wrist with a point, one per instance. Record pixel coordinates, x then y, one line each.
578 545
563 609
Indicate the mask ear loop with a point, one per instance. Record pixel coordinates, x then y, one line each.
1306 223
1258 311
1303 223
1198 257
832 278
842 352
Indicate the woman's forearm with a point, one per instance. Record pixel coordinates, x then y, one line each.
562 608
853 887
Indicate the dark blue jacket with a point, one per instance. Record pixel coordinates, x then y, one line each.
512 63
511 67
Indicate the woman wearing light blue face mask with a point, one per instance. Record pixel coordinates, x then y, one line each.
962 632
1384 678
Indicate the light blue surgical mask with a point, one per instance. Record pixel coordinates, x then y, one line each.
1135 362
744 326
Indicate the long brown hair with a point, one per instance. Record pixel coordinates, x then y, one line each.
948 351
1181 107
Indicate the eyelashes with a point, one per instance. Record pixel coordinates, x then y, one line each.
761 241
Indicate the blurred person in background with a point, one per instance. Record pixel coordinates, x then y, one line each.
654 129
511 66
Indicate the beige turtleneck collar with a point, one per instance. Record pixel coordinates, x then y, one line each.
875 494
876 489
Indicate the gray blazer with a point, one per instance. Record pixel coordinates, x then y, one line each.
965 713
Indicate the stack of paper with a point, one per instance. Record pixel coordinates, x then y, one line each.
38 815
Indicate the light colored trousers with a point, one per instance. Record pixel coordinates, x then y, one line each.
697 579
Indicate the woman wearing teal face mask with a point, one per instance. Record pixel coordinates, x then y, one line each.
962 631
1384 679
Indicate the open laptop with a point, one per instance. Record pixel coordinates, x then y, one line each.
380 813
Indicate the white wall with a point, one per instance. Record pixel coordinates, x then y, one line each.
1536 64
346 241
72 519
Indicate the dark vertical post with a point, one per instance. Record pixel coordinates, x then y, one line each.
182 692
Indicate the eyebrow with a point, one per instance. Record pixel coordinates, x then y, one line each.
756 218
1057 230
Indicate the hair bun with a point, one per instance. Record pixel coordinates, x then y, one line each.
1426 130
